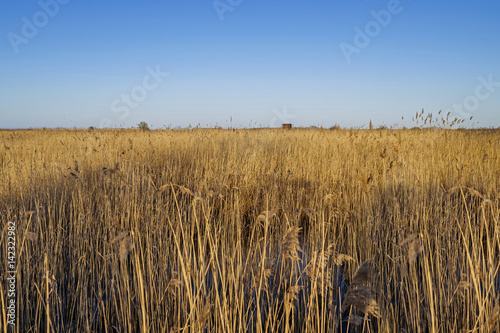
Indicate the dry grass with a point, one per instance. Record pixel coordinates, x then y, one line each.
253 230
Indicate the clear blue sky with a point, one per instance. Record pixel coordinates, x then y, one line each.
257 63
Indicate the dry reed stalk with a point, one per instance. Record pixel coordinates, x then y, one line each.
28 214
317 271
3 320
144 322
47 303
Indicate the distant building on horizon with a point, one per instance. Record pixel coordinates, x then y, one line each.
286 126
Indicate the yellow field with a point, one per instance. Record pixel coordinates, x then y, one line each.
252 230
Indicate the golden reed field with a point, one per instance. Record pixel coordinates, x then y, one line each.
269 230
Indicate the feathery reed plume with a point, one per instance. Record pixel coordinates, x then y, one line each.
204 316
292 293
261 280
362 275
355 320
408 239
311 213
365 181
161 189
119 237
116 171
360 294
31 236
450 192
383 154
329 196
474 192
414 250
267 214
493 322
415 247
198 197
291 244
462 288
364 300
116 223
341 258
126 246
174 284
185 190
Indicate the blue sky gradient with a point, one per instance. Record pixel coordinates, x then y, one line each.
260 63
